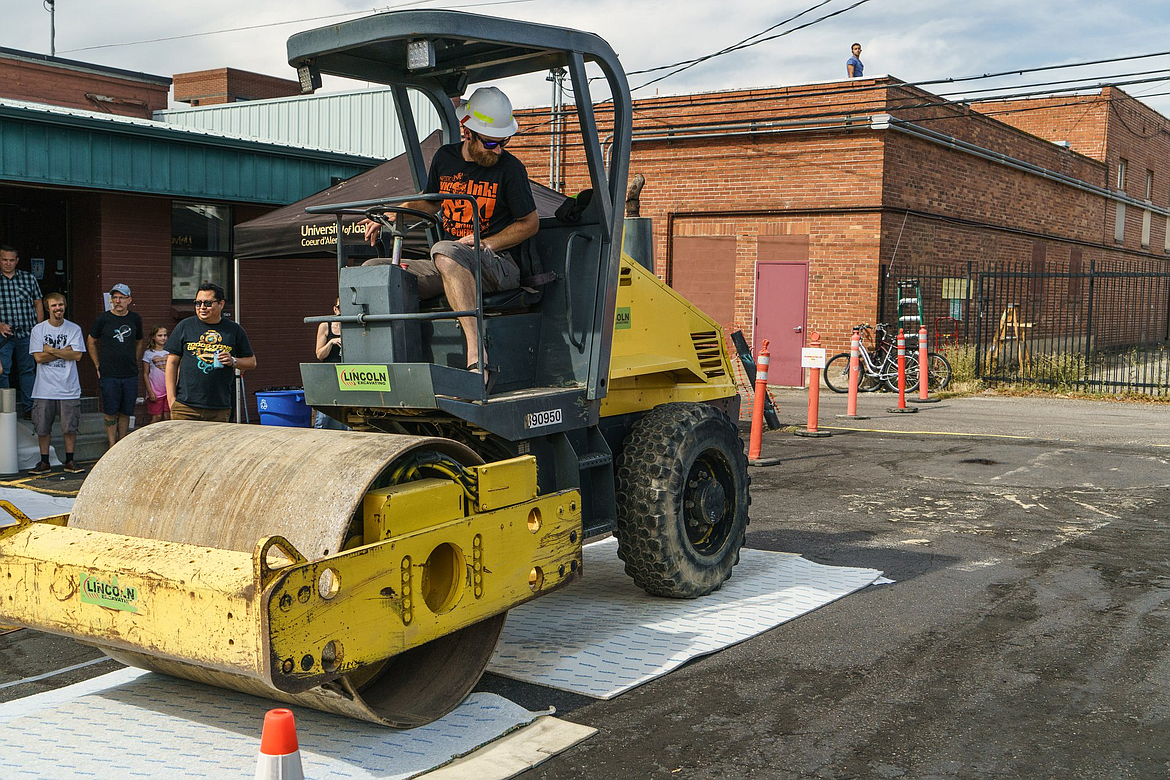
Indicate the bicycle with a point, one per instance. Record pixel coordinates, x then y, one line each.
880 369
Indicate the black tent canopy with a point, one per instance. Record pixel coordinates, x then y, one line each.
290 232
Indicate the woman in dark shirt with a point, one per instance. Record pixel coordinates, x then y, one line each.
329 351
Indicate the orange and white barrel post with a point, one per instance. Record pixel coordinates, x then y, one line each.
280 755
761 394
923 360
854 377
815 357
901 408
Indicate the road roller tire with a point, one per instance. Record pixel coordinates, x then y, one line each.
682 497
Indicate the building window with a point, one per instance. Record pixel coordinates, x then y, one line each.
1150 186
1122 169
201 251
1147 217
1168 234
1119 224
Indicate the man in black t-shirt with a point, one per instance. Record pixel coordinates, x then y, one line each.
115 347
204 350
479 167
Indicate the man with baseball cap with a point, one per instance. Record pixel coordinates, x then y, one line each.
115 347
479 166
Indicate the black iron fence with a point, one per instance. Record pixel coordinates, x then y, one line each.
1098 326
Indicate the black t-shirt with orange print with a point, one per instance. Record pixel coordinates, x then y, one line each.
502 191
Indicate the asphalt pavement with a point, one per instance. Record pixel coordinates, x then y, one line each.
1025 635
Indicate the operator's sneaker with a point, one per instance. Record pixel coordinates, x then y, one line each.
72 468
41 468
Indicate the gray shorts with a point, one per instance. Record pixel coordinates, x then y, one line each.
45 410
500 271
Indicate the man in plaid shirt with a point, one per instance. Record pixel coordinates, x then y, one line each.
20 309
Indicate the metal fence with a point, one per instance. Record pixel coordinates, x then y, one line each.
1102 326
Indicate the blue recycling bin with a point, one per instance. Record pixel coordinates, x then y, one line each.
284 406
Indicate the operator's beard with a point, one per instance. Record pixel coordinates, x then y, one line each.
483 157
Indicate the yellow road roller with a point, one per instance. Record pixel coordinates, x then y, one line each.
368 571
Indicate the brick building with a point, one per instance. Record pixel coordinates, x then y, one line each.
93 193
59 82
228 85
776 210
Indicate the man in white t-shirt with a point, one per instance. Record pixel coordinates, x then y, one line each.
56 345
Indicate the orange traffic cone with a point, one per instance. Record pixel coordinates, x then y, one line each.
280 756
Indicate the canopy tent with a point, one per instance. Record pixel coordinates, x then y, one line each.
290 232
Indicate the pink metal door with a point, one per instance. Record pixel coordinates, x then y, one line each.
781 299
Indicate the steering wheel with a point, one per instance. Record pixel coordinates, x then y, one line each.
378 214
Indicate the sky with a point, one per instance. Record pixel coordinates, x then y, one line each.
913 40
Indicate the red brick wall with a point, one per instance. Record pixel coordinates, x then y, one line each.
60 85
274 320
850 190
1078 119
1109 126
227 85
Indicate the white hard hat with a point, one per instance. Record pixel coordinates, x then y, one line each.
488 112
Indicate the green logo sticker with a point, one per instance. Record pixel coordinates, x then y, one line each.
108 593
623 318
363 378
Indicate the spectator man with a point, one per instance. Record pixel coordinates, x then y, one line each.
115 347
507 213
20 309
853 65
56 345
203 351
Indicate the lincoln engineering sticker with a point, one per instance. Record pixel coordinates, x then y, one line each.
363 378
106 592
623 318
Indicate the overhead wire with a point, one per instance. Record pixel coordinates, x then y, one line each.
384 9
741 46
883 107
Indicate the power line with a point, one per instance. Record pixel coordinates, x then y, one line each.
691 102
741 46
732 46
851 87
884 107
287 22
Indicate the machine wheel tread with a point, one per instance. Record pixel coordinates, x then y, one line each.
671 450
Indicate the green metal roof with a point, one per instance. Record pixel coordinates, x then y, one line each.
66 147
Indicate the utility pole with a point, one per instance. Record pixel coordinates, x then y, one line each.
51 7
556 145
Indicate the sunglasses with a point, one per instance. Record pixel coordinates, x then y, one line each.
489 143
201 304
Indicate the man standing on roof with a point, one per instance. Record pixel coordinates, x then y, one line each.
853 65
478 166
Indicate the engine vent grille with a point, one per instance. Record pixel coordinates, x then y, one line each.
707 348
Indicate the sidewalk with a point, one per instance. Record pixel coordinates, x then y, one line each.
1048 418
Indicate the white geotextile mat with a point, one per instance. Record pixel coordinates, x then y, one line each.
132 723
604 635
35 505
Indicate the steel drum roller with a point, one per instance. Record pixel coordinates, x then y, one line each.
227 486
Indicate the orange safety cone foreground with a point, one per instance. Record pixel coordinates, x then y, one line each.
901 408
761 394
280 756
